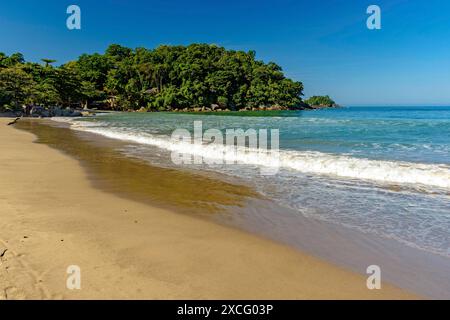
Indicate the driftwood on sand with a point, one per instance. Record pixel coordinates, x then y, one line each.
13 122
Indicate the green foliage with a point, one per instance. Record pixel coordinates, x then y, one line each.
324 101
222 101
48 62
15 87
165 78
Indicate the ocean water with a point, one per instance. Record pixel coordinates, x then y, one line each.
383 171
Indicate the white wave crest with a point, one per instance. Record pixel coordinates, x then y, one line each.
391 172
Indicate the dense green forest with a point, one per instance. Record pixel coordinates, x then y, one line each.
166 78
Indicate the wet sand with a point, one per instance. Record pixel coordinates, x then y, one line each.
138 232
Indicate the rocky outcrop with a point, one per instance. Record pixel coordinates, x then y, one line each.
42 112
199 109
323 106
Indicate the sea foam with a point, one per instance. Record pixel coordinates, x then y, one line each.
343 166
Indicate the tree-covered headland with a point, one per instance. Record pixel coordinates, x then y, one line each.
320 102
195 77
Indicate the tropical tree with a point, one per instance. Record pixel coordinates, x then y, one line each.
15 87
168 77
48 62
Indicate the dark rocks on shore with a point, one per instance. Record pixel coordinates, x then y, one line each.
302 106
221 108
43 112
324 106
56 111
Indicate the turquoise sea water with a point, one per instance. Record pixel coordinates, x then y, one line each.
379 170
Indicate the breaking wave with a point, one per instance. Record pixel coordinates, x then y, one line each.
390 172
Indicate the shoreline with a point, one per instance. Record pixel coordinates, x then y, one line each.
53 216
78 112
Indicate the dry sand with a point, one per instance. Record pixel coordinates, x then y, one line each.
52 217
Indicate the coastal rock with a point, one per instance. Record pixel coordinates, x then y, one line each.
36 111
45 114
275 108
56 111
66 112
323 106
76 114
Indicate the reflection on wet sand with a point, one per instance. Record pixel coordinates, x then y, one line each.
111 171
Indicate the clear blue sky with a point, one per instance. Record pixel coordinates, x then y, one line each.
324 44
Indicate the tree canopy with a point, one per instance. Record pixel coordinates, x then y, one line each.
321 101
165 78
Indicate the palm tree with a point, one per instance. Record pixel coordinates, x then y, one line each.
48 61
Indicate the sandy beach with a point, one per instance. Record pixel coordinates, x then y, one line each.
53 216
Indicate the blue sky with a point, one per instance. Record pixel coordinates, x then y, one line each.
324 44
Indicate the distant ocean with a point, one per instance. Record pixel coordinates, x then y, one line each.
383 171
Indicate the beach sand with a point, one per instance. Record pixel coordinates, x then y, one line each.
53 216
